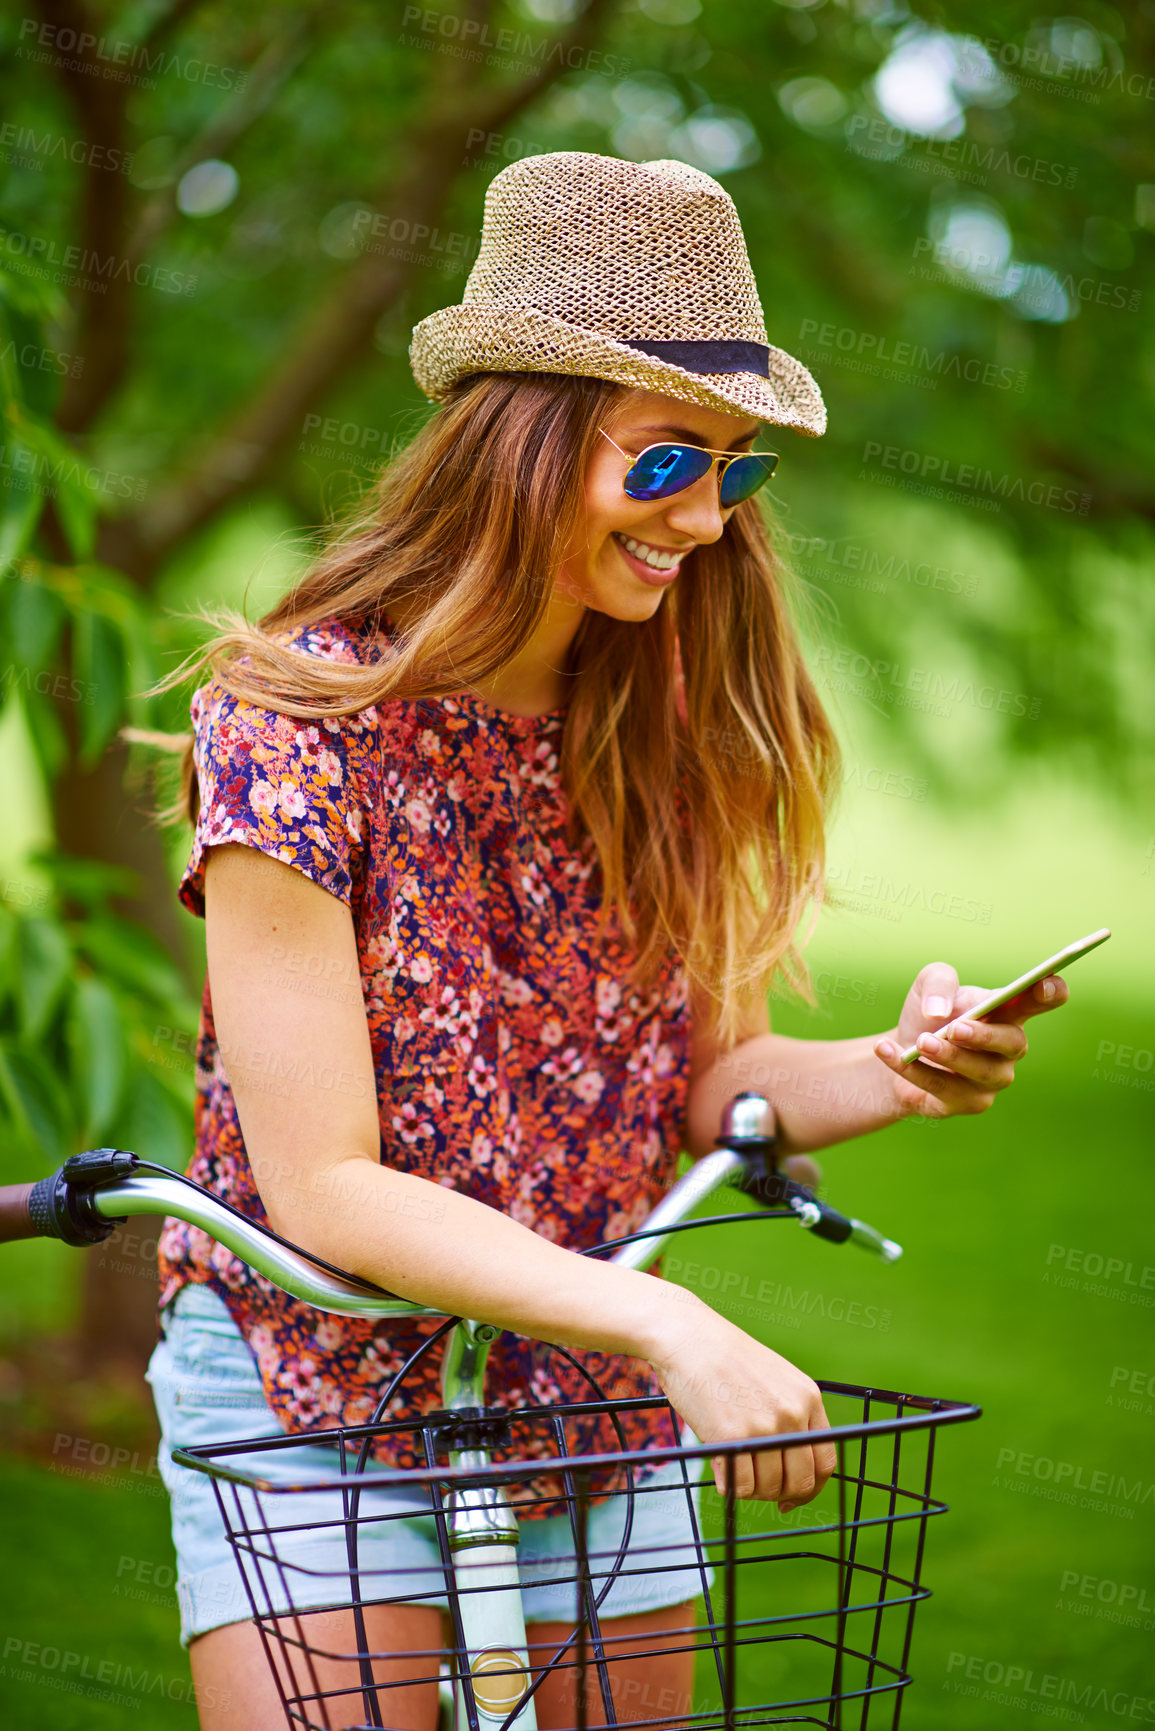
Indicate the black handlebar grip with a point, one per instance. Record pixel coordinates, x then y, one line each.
772 1189
58 1209
830 1224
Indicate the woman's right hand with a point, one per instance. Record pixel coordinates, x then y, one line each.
727 1387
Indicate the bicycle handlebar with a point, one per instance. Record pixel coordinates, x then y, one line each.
94 1192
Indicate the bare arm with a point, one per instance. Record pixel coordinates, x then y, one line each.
301 1070
826 1091
313 1141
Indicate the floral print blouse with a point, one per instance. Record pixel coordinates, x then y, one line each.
512 1062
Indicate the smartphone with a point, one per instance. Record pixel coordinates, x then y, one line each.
993 1000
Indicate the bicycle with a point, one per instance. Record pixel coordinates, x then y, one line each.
867 1560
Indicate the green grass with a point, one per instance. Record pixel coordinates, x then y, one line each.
78 1594
968 1313
1061 1160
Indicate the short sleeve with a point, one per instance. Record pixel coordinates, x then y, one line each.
296 790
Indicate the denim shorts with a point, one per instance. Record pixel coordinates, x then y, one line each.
207 1389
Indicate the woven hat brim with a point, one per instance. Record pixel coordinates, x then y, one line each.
466 338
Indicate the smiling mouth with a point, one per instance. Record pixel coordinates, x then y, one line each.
657 558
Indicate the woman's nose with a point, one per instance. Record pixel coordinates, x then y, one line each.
698 511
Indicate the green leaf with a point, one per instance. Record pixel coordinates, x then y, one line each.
97 1044
90 882
36 616
125 952
8 967
152 1126
36 1102
18 519
43 964
98 666
8 925
36 298
45 730
63 469
76 508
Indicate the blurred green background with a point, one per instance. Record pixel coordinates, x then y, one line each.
950 214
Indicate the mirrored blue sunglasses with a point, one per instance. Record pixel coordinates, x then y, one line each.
660 471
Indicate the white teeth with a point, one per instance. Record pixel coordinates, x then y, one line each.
652 556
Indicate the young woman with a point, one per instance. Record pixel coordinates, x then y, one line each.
490 912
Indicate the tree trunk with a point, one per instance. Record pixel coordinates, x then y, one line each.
99 816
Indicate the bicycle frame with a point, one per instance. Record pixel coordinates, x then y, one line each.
493 1688
482 1525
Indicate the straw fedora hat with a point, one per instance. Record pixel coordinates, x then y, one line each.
632 271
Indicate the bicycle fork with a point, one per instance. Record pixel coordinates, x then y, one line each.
483 1538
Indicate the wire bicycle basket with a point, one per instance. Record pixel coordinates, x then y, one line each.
799 1619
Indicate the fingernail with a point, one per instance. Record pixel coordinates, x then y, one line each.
884 1049
928 1043
936 1007
1049 989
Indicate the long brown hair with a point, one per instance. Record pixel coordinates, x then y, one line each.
709 831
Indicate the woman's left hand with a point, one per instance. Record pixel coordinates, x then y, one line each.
966 1071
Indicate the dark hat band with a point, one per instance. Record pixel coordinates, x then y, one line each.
737 356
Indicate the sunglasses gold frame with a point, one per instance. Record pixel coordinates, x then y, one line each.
725 458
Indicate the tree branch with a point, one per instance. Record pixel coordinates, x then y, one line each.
582 34
334 337
1112 493
165 23
274 66
79 71
101 331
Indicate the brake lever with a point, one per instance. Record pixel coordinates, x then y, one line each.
749 1128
